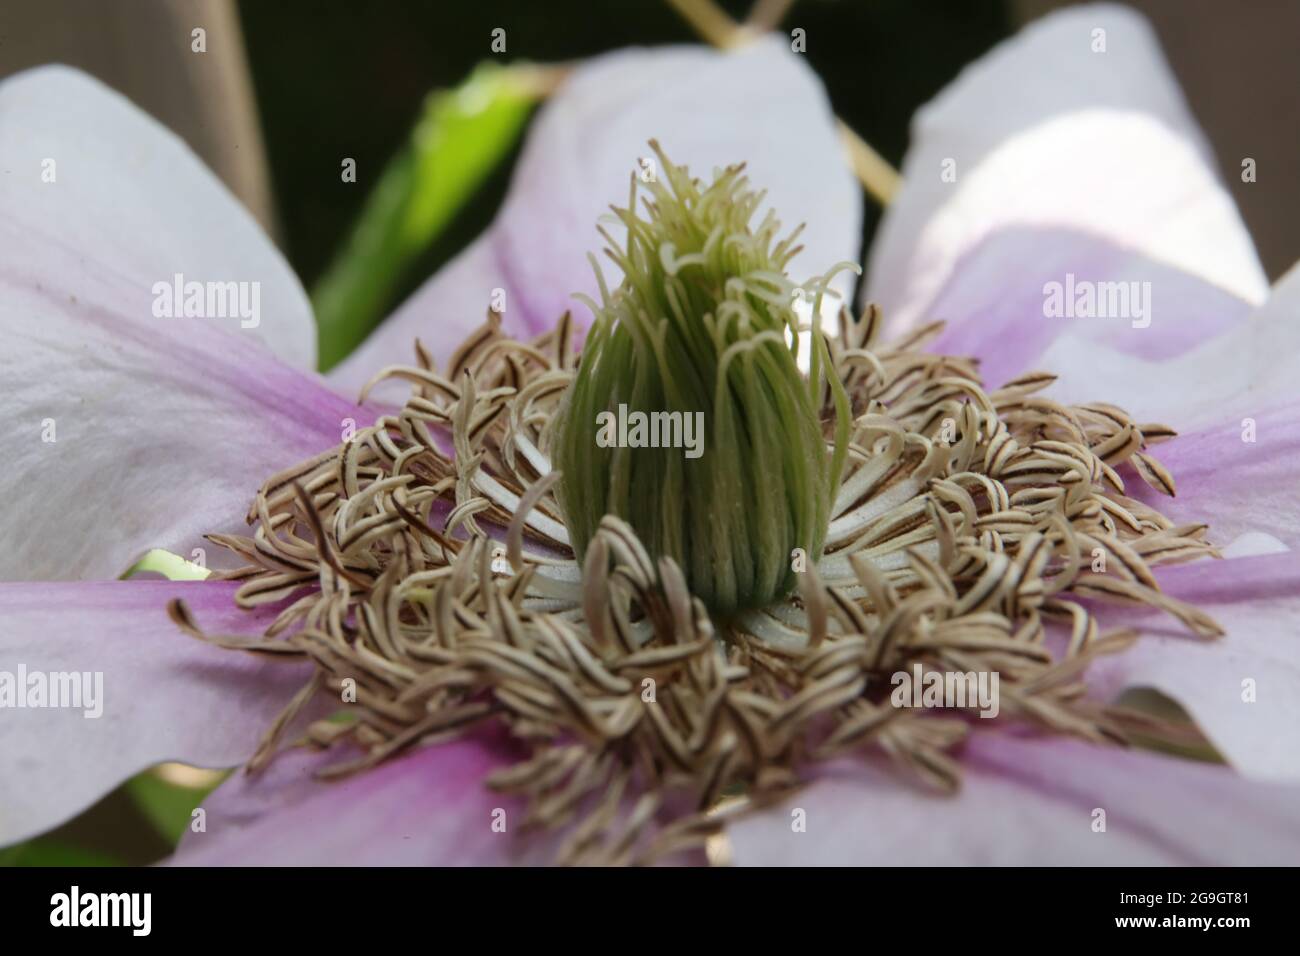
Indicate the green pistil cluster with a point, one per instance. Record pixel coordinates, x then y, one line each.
704 322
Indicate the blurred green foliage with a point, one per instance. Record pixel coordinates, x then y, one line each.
462 135
50 851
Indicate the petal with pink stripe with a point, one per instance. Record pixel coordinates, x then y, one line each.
1031 802
162 695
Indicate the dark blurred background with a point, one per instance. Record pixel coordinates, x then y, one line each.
335 79
347 80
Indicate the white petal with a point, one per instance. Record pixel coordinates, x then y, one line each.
1045 135
761 105
98 202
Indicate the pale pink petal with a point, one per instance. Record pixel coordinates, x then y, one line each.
1245 372
1066 159
761 105
1238 476
1032 802
119 438
1243 689
994 304
124 431
429 808
165 695
1233 400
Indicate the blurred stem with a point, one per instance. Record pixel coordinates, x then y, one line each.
459 139
880 179
766 15
711 22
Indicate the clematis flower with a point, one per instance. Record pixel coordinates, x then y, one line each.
412 567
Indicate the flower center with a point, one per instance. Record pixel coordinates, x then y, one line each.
424 568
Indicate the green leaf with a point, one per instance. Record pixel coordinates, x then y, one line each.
459 139
171 566
168 806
